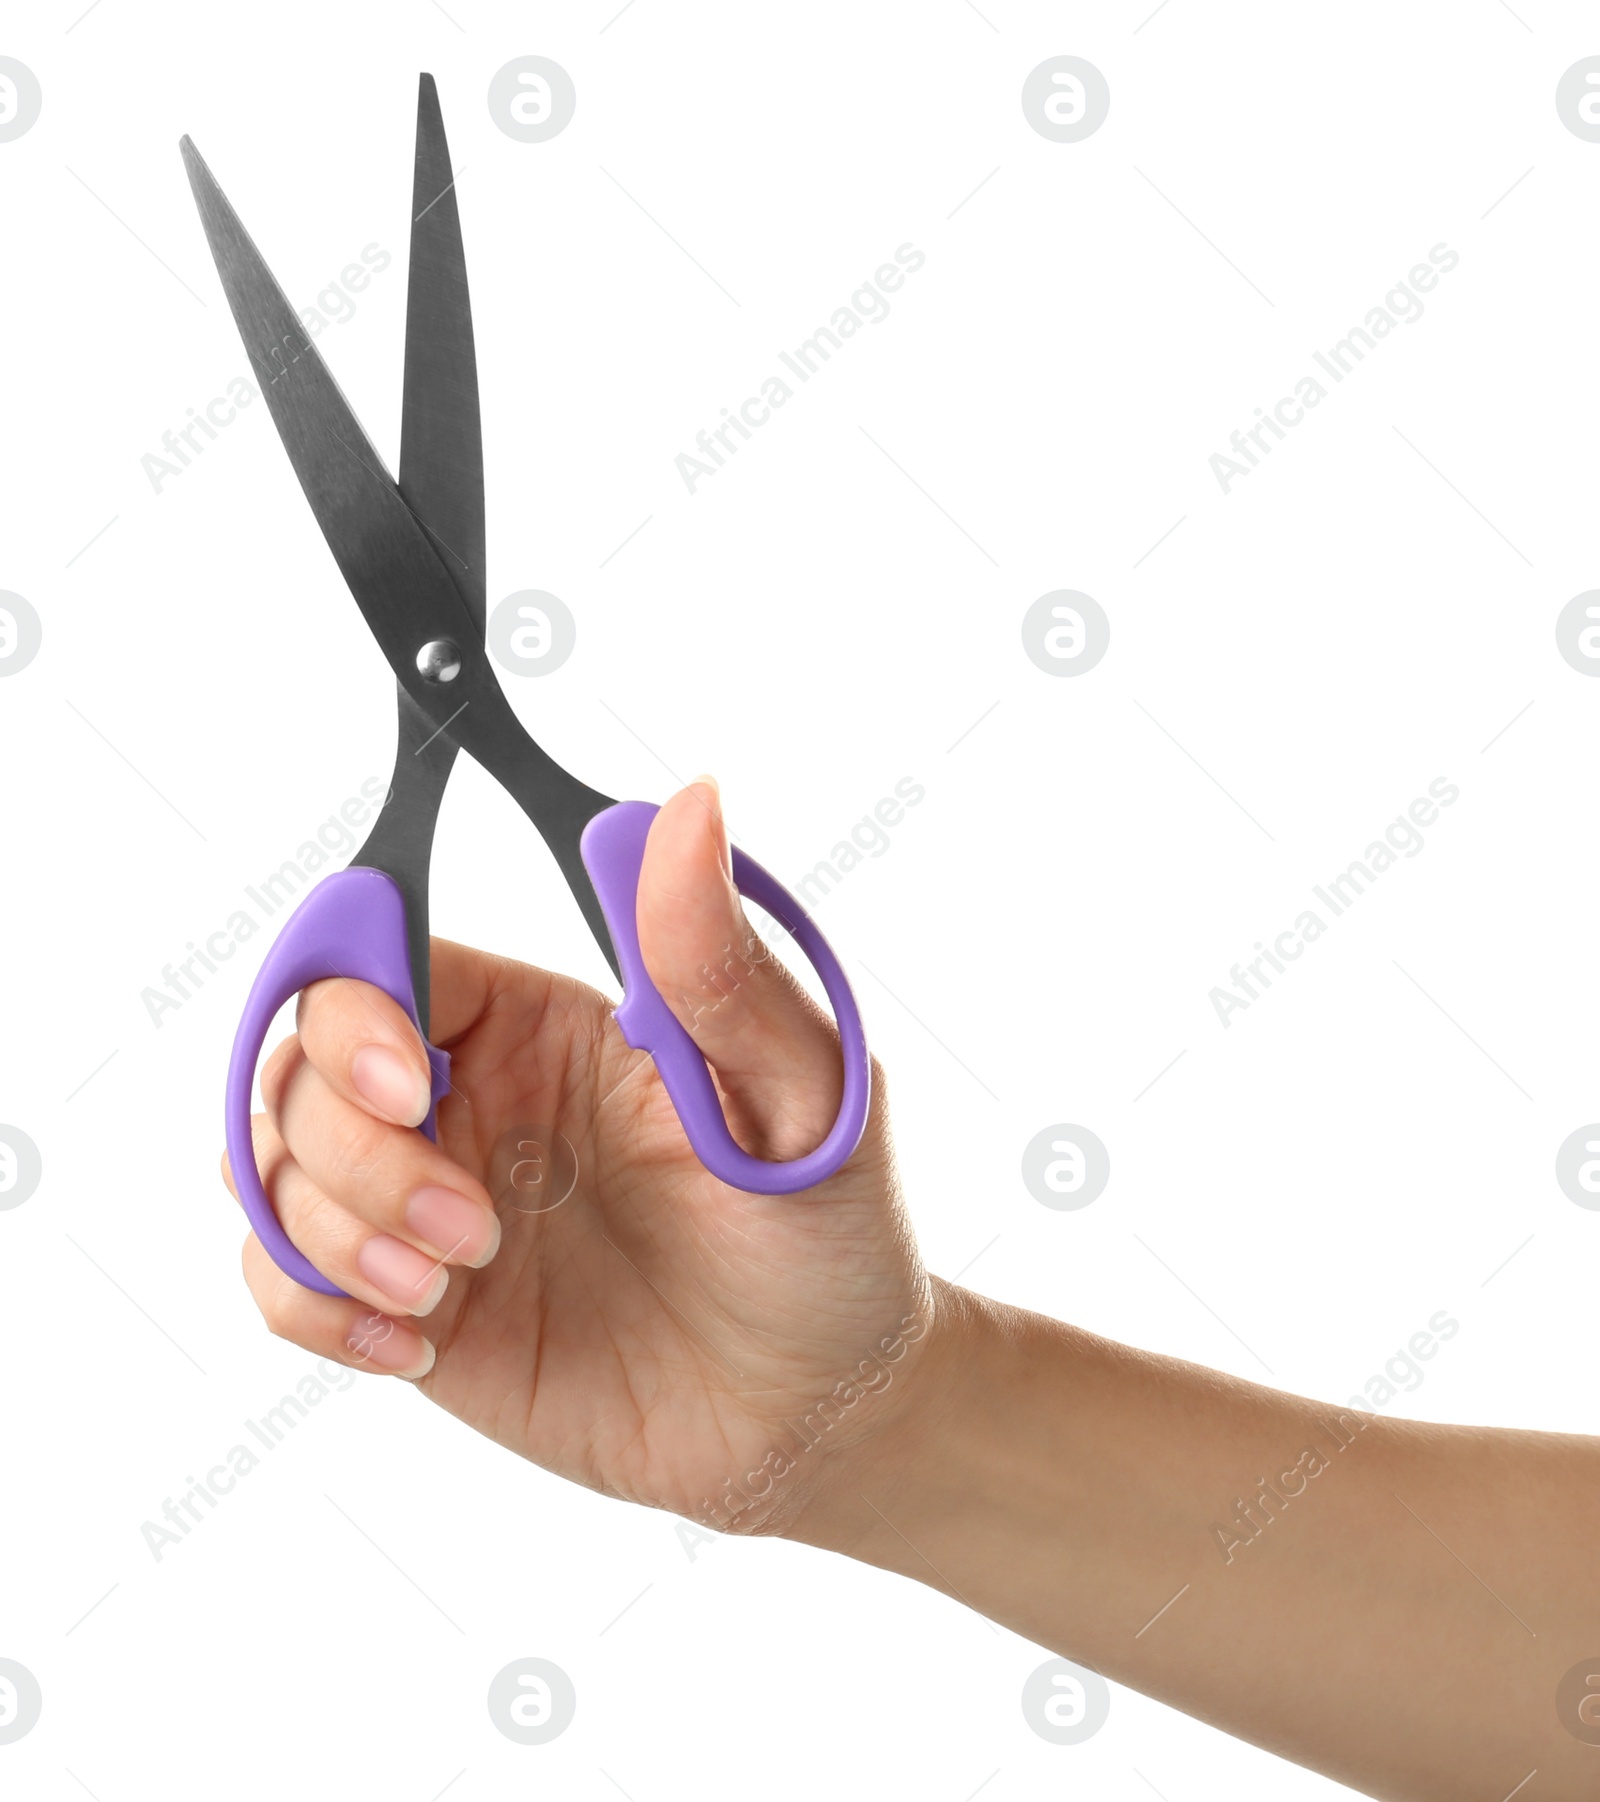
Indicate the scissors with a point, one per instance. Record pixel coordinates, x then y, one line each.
412 555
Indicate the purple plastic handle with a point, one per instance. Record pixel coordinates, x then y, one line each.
613 851
351 924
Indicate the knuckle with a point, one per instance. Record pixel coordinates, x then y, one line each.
279 1299
277 1305
312 1009
358 1154
276 1072
323 1230
276 1325
263 1282
267 1148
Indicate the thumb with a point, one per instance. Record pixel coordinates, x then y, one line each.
775 1053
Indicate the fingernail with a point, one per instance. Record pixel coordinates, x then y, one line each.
407 1276
710 797
379 1343
383 1077
459 1230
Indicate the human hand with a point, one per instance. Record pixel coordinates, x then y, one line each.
655 1334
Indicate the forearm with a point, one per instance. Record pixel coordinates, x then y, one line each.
1388 1602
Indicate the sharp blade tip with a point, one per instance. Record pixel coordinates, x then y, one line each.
195 163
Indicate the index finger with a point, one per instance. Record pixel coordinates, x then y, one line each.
363 1044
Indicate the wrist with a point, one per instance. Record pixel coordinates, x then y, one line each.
890 1496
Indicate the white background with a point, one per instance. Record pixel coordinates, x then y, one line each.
1288 669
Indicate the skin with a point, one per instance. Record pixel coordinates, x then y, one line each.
1399 1620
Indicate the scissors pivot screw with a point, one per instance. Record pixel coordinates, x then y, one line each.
439 661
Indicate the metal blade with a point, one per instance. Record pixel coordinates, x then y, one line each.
398 580
381 550
373 536
441 480
441 435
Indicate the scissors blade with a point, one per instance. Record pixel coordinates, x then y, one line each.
390 565
441 480
385 556
382 552
441 433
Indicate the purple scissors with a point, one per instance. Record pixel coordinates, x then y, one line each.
412 554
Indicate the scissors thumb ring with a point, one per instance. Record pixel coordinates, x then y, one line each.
613 853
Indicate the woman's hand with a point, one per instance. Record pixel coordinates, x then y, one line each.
652 1333
1407 1607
